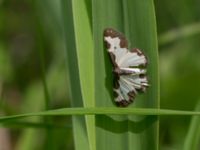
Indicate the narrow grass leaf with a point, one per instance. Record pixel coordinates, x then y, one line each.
79 126
84 48
102 111
193 136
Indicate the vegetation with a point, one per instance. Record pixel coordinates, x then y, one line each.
56 77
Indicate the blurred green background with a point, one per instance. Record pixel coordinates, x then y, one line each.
179 51
32 54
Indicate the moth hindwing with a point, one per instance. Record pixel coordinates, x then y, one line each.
129 68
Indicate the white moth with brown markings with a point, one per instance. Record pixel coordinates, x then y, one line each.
129 68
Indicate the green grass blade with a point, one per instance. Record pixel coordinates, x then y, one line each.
84 47
193 135
137 20
142 32
103 70
102 111
79 126
106 14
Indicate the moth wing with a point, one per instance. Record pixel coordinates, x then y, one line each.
138 81
125 93
129 86
131 78
117 46
133 58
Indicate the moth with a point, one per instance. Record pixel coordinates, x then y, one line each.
129 68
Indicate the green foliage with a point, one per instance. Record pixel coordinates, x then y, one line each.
193 135
139 26
55 68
